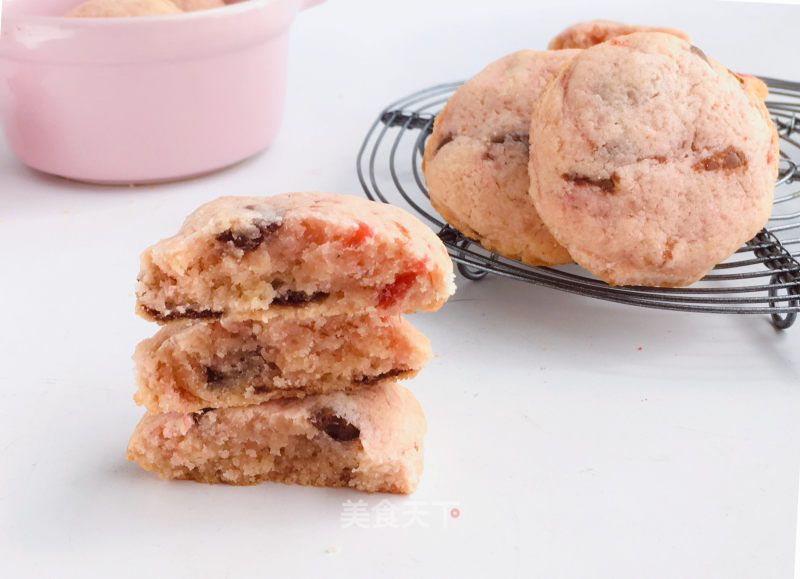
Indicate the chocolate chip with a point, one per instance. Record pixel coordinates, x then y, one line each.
334 425
379 377
296 298
697 52
583 180
251 236
246 366
728 159
213 375
261 390
196 416
733 158
187 314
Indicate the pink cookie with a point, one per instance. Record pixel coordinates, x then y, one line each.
589 33
192 365
297 254
370 440
476 159
651 162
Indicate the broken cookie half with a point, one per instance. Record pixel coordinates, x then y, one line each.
297 254
370 440
188 365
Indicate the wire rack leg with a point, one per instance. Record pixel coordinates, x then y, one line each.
785 321
777 257
469 272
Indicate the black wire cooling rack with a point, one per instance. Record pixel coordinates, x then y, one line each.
763 277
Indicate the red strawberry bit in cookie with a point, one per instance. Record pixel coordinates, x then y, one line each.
396 291
362 233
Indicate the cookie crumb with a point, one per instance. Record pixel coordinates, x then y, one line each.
332 549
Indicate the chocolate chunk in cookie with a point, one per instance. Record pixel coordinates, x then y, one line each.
604 184
251 236
334 425
728 159
296 298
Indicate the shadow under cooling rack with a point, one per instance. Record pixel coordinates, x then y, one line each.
763 277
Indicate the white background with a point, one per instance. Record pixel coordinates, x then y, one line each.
570 451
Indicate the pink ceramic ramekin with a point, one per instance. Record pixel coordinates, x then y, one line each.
136 100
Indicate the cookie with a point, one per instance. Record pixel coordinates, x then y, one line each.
192 5
370 440
297 254
651 162
586 34
190 365
122 8
476 159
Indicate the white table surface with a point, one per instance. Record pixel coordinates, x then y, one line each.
577 438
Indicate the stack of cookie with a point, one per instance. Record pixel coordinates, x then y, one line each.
623 148
283 342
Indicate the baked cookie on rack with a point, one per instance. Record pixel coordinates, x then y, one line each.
122 8
476 159
370 440
191 365
591 32
297 254
650 161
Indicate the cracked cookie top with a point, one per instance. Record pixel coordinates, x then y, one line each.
476 159
650 161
